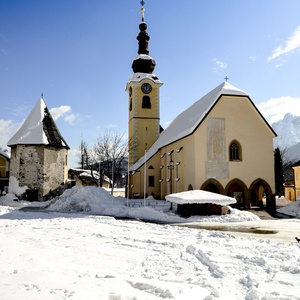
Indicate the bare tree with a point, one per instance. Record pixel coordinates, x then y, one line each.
87 160
83 154
111 150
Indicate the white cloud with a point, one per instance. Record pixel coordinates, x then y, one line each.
276 108
63 112
73 158
253 57
219 65
291 44
7 129
70 118
111 126
58 112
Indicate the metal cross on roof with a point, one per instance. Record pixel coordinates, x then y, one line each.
226 78
143 10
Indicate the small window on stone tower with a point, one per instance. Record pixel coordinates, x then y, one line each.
235 151
130 105
146 102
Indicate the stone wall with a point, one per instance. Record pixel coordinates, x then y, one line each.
39 167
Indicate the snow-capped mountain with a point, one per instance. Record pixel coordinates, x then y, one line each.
288 136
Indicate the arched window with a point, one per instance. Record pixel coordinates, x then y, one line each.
235 151
146 103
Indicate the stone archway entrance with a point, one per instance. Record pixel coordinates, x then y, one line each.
260 193
212 185
212 188
238 190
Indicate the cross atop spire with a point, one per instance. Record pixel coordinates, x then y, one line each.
143 10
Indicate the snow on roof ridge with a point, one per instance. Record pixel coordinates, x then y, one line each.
137 77
32 131
229 88
143 56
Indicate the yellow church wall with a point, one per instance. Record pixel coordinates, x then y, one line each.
243 124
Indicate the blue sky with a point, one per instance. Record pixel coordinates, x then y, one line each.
79 54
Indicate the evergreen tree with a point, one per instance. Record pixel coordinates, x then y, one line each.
279 181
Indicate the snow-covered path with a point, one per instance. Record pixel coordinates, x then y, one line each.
74 256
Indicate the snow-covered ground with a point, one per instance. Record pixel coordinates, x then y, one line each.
75 249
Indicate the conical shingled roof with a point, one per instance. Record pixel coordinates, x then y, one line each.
39 129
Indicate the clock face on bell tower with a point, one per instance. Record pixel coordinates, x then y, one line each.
146 88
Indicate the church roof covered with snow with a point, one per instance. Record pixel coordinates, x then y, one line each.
188 121
39 129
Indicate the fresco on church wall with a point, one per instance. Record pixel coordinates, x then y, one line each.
216 164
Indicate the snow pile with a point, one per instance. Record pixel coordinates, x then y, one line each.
282 201
98 201
292 209
14 187
83 199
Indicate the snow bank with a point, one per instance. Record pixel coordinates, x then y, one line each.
98 201
14 187
74 256
292 209
282 201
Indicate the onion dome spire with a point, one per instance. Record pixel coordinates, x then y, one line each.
143 63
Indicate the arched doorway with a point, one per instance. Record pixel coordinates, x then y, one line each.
190 187
238 190
261 195
212 185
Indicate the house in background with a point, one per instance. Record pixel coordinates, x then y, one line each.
292 188
4 171
39 155
289 190
91 178
87 178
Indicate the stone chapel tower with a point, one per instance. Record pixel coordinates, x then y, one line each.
39 154
143 103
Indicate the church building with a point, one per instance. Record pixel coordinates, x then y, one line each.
221 143
39 154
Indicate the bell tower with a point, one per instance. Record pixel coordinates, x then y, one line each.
143 99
